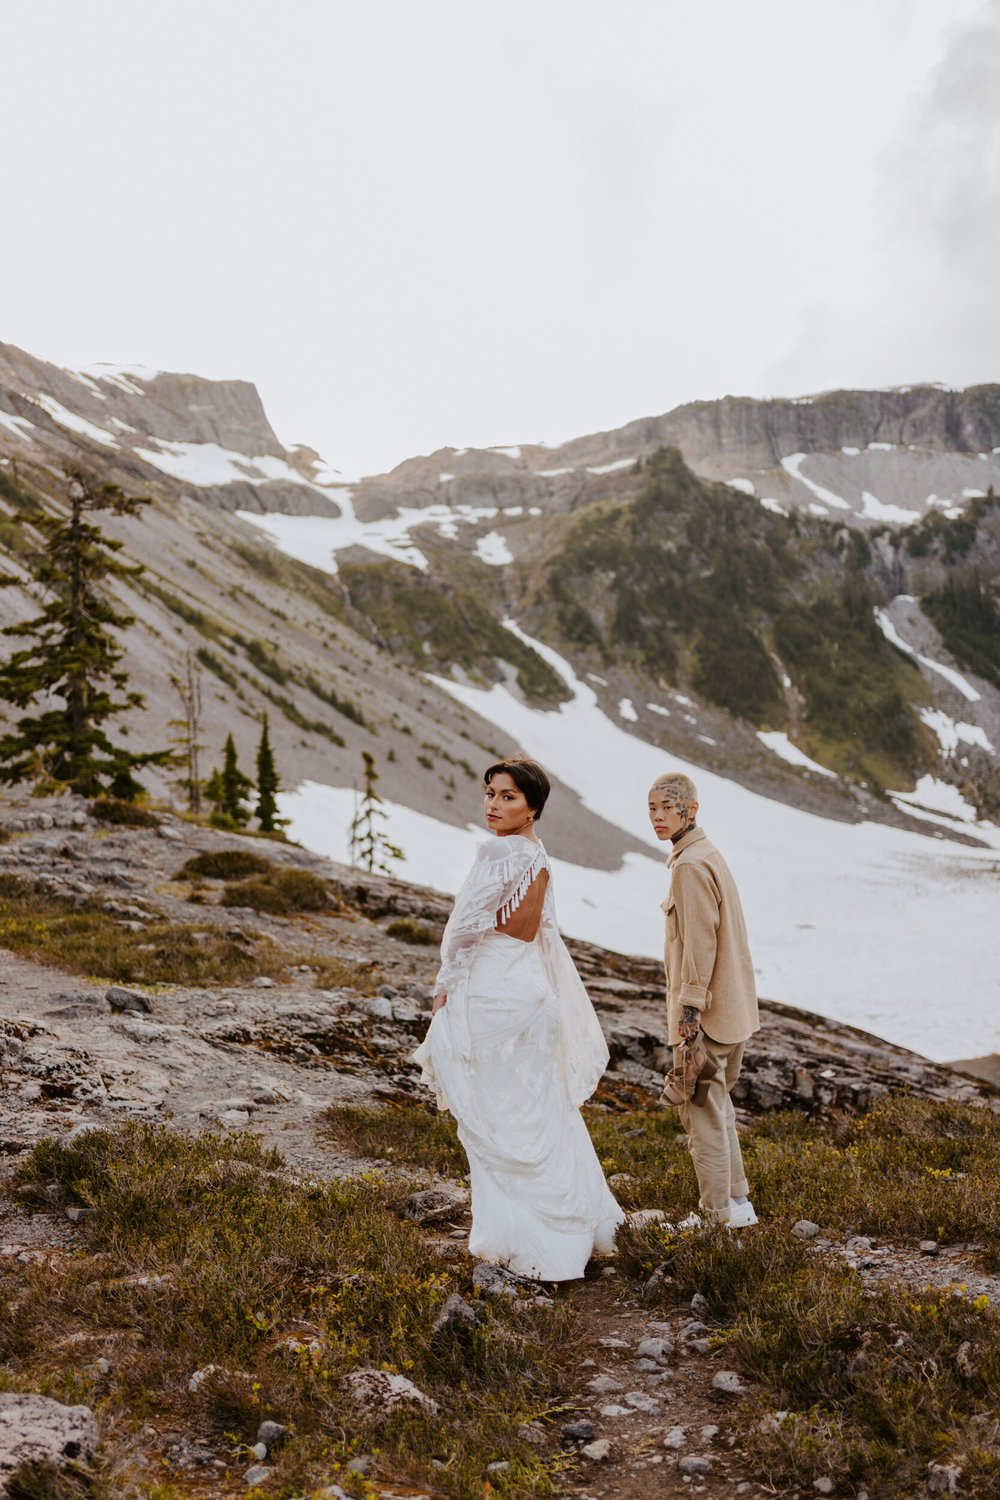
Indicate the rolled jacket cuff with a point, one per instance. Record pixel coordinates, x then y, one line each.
696 995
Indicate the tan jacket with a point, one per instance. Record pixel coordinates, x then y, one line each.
707 958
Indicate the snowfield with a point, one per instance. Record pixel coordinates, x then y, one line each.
887 930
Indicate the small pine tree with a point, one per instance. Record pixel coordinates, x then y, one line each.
369 846
227 789
268 785
75 656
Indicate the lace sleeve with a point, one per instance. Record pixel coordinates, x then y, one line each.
494 888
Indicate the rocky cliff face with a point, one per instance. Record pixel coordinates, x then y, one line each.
868 456
211 436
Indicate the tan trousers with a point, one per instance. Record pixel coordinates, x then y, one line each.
711 1132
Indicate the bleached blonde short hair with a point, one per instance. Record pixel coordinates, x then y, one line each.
676 781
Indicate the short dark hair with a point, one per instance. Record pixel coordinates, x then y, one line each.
529 778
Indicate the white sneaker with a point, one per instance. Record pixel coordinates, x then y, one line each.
741 1215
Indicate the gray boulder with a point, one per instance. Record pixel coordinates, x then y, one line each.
35 1429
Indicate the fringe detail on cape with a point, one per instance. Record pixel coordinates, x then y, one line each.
538 864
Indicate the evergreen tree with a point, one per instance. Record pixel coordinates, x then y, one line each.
369 846
75 656
188 728
226 790
268 785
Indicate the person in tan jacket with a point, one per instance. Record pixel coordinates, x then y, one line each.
711 992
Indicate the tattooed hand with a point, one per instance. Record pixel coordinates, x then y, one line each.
690 1023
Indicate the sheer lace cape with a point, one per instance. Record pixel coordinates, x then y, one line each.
501 873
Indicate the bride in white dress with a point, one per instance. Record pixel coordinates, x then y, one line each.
514 1048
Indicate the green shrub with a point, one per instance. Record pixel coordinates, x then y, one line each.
224 864
411 1135
127 814
407 930
281 893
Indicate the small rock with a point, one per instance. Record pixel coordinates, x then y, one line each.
658 1280
495 1281
499 1466
614 1410
613 1343
647 1366
174 836
580 1431
968 1368
700 1305
943 1479
805 1229
709 1432
728 1382
675 1438
77 1212
432 1204
121 1000
263 983
639 1401
639 1217
271 1432
929 1247
455 1315
859 1244
380 1008
604 1385
824 1485
360 1465
256 1474
534 1433
694 1463
200 1376
381 1390
103 1366
235 1119
658 1349
597 1451
259 1451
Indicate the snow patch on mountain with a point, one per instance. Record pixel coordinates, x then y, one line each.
793 465
493 549
72 422
779 742
949 674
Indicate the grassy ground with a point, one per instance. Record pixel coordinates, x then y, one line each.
874 1384
206 1251
88 940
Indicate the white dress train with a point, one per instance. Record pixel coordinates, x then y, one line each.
512 1055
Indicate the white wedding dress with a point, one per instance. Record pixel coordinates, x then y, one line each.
512 1055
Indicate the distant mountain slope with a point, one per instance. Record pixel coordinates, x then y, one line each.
822 626
876 456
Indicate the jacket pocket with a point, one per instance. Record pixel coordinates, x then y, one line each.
670 912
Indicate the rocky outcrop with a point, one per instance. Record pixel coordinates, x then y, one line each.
35 1430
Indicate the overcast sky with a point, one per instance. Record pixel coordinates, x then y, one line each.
453 222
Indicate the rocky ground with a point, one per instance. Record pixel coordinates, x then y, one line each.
334 1022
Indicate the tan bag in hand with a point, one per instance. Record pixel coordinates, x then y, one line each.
691 1077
